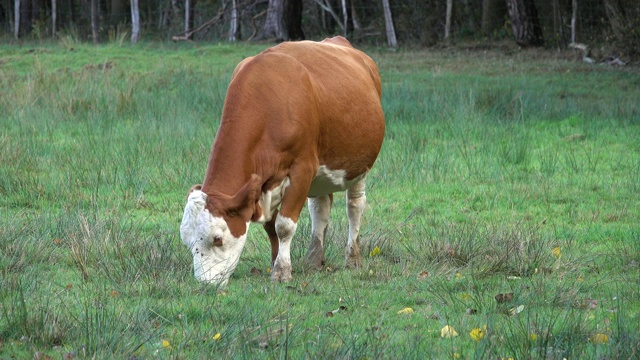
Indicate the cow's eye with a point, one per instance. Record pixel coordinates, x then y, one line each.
217 240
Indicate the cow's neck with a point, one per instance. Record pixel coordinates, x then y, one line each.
230 165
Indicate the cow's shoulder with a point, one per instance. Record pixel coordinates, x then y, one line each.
338 40
241 65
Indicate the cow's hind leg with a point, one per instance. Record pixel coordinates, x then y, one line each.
356 201
270 229
319 209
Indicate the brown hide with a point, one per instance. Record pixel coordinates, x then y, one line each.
288 110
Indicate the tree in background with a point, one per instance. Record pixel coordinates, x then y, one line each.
525 23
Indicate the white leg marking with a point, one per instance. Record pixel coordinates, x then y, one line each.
319 209
285 229
356 201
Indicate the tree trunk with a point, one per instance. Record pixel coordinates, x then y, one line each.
117 8
54 15
388 22
135 21
525 23
26 16
94 20
617 19
234 26
187 14
574 16
447 23
293 19
274 23
16 15
468 13
493 14
347 18
354 16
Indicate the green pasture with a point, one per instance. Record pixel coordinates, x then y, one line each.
505 204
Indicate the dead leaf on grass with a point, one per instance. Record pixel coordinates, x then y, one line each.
256 271
503 298
333 312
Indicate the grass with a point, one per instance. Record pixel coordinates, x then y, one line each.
505 196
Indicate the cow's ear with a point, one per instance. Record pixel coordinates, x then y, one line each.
243 203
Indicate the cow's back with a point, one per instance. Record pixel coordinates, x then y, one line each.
319 102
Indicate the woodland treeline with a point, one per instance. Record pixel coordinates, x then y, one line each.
549 23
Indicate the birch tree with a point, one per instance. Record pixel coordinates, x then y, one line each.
135 21
388 23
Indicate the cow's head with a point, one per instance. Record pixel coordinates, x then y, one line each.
214 227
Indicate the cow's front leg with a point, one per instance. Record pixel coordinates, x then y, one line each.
293 200
285 228
356 201
320 210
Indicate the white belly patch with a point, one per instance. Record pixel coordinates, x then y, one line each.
328 181
270 200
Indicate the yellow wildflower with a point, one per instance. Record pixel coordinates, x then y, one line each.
166 344
557 251
217 337
477 334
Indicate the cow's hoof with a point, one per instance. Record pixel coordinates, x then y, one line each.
354 262
281 273
317 262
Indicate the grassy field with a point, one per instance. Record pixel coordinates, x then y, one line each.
505 205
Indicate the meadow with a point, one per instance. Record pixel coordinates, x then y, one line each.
503 216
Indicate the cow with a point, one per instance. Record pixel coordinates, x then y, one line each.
301 120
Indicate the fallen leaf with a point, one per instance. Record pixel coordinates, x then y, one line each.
502 298
406 310
375 252
423 275
598 339
217 337
41 356
256 271
448 332
557 251
516 310
589 304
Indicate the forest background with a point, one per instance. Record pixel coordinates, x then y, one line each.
606 27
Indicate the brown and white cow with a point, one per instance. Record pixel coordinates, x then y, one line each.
300 120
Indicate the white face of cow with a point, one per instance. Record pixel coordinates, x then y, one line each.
215 250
